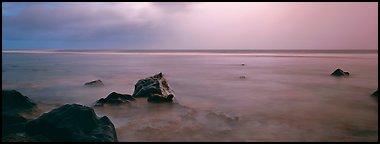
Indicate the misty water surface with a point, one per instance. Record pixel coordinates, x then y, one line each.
280 98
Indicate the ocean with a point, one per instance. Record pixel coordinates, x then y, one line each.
274 96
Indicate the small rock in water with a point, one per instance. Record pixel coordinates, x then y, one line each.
374 94
95 83
114 99
242 77
156 88
242 64
339 73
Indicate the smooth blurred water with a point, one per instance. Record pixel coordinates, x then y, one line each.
281 98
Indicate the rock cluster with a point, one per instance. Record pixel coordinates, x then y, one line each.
71 122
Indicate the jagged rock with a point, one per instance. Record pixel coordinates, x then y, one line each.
115 98
12 123
374 94
14 101
339 73
95 83
72 122
156 88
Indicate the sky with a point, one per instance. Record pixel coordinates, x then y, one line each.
186 25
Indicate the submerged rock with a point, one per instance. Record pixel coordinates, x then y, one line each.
156 88
14 101
115 98
72 122
339 73
95 83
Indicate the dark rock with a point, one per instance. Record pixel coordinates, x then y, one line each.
12 123
115 98
242 64
72 122
374 94
156 88
242 77
23 138
95 83
14 101
339 73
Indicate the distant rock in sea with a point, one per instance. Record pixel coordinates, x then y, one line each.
242 77
72 123
339 73
14 101
114 99
95 83
242 64
156 88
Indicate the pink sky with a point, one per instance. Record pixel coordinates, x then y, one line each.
261 25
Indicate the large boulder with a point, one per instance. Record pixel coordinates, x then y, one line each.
14 101
95 83
115 99
339 73
72 122
156 88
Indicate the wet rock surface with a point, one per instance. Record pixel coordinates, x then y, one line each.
340 73
95 83
156 88
115 99
72 122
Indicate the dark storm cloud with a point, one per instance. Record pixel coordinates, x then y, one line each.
91 25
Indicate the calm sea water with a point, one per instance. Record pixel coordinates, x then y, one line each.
289 97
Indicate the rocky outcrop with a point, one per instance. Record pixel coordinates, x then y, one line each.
14 101
374 94
115 99
72 122
156 88
12 123
340 73
95 83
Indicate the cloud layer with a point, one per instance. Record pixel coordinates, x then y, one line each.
190 25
